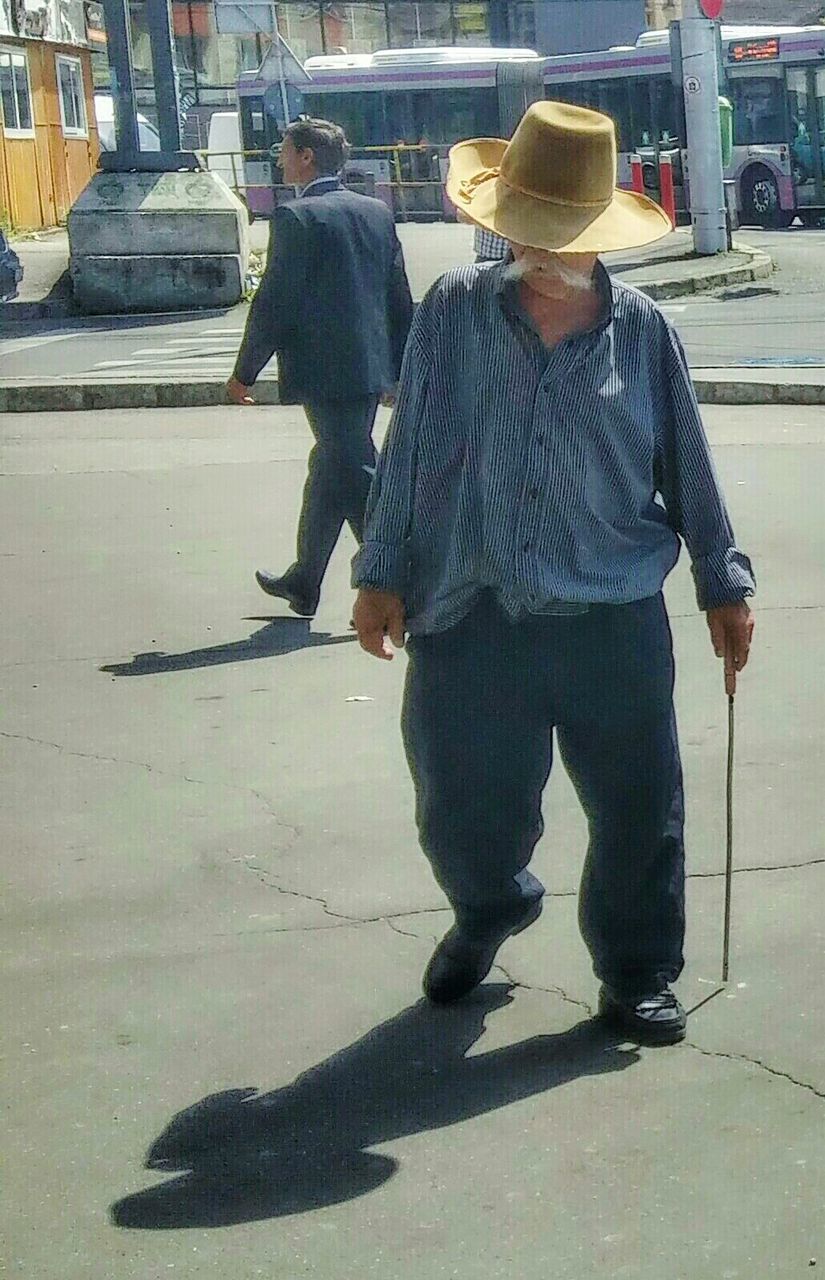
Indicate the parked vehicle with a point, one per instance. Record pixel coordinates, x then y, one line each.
223 150
105 117
11 271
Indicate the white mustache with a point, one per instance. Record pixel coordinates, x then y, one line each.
550 267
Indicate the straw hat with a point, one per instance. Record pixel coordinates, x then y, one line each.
553 186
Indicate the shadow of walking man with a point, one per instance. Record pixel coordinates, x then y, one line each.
246 1156
279 636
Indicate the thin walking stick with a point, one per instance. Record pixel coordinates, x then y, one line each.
729 856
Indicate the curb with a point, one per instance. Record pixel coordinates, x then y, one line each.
759 393
760 267
57 398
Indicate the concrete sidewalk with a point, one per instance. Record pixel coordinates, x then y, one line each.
216 916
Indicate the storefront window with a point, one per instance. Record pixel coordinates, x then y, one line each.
521 24
417 24
355 28
472 22
15 92
300 26
72 102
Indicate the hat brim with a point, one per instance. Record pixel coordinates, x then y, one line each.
628 221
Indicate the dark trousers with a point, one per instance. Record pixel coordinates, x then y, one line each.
341 467
481 702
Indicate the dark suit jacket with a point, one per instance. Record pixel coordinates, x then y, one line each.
334 301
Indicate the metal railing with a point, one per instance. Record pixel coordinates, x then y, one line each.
411 191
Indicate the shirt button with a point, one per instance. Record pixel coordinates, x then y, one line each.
534 493
528 546
539 438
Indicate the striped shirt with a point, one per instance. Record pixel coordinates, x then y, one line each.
488 247
557 478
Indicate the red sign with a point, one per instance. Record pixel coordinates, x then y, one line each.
712 8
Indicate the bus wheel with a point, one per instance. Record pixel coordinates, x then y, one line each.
761 199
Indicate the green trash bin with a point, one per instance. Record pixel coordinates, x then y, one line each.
726 129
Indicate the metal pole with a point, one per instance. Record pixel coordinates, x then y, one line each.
119 52
159 22
282 77
729 857
700 82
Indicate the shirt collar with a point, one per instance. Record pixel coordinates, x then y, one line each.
508 293
328 181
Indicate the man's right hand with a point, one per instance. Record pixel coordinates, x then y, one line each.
378 614
238 393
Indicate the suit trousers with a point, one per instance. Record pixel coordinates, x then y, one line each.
341 468
481 703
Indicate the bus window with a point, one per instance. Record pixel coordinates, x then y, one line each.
614 101
663 110
448 115
400 122
580 95
360 115
758 110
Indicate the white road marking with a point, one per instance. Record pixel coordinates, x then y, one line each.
185 342
153 351
22 344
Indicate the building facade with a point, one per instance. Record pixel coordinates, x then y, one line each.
48 138
758 13
209 62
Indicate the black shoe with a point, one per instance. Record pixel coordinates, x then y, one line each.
652 1019
299 603
462 960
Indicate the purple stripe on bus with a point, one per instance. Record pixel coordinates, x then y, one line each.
613 65
378 77
788 45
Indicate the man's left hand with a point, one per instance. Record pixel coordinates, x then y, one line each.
731 632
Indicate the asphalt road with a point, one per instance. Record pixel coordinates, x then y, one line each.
215 914
779 321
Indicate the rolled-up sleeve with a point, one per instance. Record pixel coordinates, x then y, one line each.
692 494
383 561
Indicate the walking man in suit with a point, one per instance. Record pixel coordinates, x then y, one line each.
335 305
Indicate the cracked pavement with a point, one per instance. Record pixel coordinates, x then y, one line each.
216 917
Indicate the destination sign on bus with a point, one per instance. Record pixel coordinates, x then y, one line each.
754 50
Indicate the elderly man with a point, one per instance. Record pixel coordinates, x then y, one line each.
545 456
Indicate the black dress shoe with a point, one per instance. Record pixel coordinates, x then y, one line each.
298 602
462 959
652 1019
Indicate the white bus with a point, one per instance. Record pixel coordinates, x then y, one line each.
402 109
431 98
775 80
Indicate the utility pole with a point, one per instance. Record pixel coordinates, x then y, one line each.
700 84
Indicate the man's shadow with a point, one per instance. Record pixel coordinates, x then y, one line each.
244 1156
277 637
